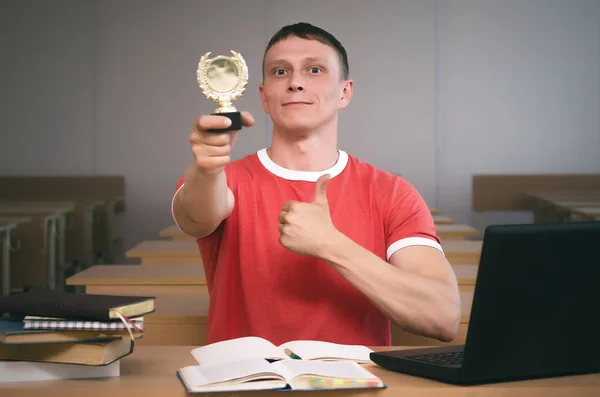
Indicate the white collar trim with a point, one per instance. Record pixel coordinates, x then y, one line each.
293 175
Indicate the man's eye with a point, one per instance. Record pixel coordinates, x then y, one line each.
279 72
315 70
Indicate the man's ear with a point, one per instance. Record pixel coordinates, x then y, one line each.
263 97
346 95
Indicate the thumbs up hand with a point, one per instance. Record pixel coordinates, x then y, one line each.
306 228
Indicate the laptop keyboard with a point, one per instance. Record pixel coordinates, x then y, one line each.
450 358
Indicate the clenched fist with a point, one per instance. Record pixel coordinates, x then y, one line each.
306 228
212 150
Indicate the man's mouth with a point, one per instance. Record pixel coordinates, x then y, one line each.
296 103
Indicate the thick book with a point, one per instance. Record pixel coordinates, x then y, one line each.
96 353
26 371
253 363
79 306
12 331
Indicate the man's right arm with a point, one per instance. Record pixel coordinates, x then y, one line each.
205 200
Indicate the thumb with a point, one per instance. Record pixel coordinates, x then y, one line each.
321 189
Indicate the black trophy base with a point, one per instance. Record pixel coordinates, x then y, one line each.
236 122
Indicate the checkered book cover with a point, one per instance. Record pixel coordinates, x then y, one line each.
75 325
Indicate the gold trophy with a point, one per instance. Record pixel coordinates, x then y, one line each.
223 80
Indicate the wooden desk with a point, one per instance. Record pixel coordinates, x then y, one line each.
181 319
174 278
151 372
54 224
177 320
141 279
578 203
6 225
585 213
573 195
174 233
463 252
114 212
454 231
186 252
442 220
561 206
55 220
157 252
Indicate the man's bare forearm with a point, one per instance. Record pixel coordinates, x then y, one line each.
203 202
427 306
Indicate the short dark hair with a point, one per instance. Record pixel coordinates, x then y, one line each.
307 31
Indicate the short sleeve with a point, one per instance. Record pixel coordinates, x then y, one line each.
409 220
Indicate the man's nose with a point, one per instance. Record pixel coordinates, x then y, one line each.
296 83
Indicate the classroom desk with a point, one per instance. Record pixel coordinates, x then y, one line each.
182 279
150 371
573 195
186 252
157 252
115 207
584 213
560 206
89 208
442 220
463 252
5 227
54 215
454 231
141 279
173 232
181 319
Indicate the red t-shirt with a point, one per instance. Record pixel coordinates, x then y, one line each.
259 288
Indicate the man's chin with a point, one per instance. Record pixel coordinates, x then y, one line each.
297 129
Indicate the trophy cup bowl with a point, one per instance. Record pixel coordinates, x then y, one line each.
223 79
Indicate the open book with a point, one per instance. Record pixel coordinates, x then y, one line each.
253 363
260 374
255 347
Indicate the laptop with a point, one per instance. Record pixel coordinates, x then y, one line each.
535 311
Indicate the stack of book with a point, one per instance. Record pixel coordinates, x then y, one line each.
48 335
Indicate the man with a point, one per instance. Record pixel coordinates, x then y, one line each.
302 240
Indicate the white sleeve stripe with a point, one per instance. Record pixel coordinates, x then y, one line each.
175 220
406 242
173 212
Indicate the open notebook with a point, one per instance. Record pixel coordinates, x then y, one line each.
255 347
260 374
253 363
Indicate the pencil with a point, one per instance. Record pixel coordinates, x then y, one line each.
292 354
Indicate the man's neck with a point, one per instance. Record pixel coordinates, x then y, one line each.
315 152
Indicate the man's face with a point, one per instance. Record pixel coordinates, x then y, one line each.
303 87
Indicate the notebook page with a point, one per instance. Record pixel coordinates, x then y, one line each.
319 350
237 349
331 369
234 372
